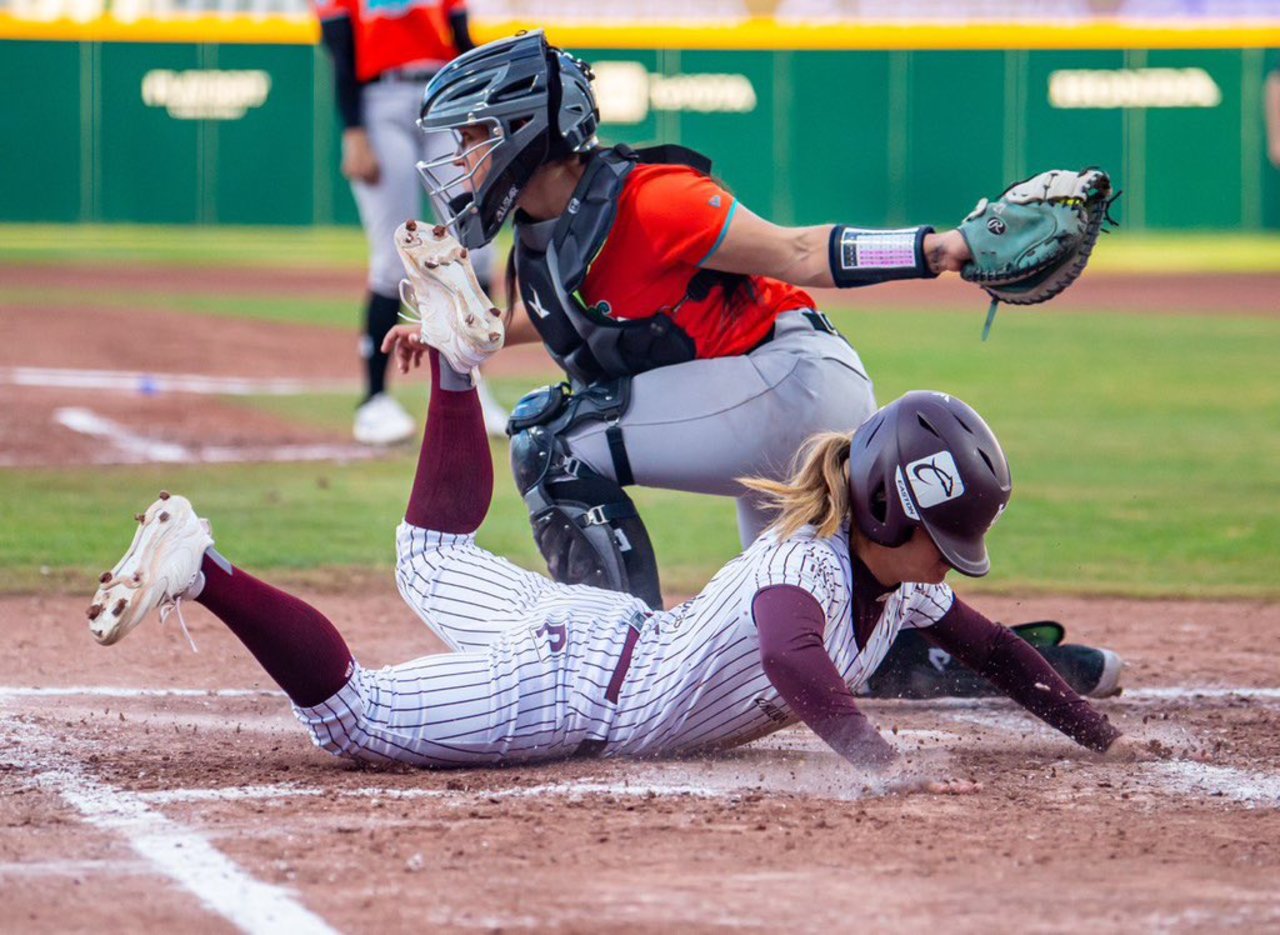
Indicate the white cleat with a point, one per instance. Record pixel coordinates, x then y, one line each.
381 420
457 318
159 569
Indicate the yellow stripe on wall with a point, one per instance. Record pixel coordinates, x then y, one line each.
752 34
769 34
276 30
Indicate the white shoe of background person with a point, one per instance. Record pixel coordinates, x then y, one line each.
443 296
161 567
495 416
381 420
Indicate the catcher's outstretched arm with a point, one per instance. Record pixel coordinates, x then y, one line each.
806 256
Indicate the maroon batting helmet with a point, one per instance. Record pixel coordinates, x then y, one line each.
929 460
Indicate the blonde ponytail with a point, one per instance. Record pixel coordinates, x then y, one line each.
817 492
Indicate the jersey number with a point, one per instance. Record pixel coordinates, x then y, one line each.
557 635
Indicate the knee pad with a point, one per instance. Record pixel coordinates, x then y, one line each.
584 524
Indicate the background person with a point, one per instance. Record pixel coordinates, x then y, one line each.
383 55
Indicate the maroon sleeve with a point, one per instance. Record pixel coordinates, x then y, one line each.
453 486
790 623
1013 666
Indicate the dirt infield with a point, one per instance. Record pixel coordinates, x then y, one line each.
203 805
41 346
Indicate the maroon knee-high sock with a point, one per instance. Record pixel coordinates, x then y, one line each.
454 483
294 642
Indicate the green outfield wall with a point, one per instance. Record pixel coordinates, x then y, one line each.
157 132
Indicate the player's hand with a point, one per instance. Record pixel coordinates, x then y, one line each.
1128 749
404 343
359 164
936 786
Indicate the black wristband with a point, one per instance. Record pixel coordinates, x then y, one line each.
862 257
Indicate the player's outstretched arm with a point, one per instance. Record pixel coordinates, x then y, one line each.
829 256
790 623
1014 666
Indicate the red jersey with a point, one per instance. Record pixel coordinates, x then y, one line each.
670 220
396 33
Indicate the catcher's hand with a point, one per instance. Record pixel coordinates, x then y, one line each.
1035 240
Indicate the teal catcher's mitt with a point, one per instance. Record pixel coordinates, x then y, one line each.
1035 240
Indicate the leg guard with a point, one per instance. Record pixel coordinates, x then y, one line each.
584 524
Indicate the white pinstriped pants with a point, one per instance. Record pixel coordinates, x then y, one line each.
532 665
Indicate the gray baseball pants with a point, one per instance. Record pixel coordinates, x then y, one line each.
390 110
701 425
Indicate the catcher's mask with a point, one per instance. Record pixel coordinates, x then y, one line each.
536 103
929 460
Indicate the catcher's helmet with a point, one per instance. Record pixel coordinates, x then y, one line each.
536 102
929 460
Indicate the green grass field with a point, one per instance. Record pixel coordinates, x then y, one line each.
1145 448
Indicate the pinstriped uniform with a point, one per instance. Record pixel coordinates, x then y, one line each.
700 683
531 674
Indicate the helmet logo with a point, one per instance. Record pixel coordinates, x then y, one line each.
507 201
908 506
935 479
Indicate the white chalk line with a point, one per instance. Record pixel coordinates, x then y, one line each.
111 691
1181 777
74 868
149 383
172 849
581 787
1140 695
124 446
1167 693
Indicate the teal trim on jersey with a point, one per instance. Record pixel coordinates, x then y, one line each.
724 230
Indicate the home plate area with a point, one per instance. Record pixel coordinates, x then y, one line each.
147 788
151 808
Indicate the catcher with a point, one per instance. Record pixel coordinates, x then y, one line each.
693 353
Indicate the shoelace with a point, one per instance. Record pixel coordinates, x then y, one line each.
167 608
412 317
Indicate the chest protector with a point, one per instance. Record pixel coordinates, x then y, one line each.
551 260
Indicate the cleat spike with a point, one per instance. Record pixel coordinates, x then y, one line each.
117 610
411 225
93 611
462 253
164 495
163 517
140 517
495 313
438 231
104 577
